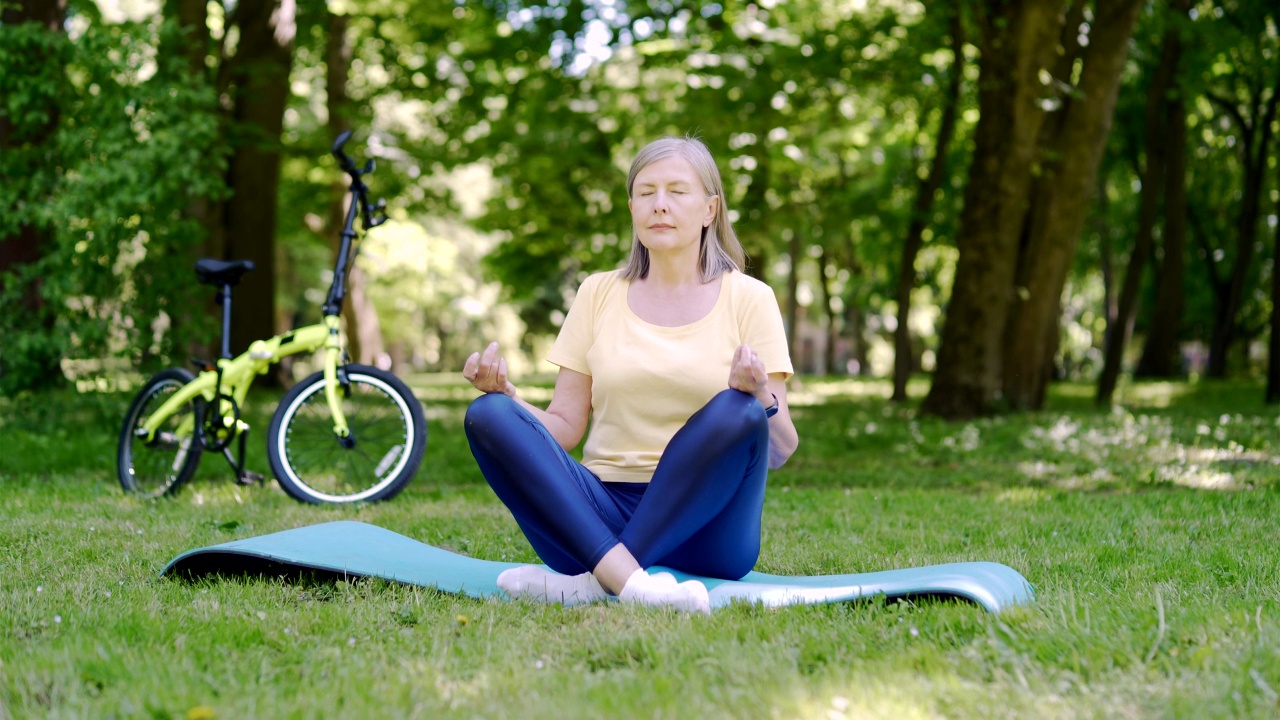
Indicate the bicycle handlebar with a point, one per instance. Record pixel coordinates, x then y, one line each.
357 186
359 206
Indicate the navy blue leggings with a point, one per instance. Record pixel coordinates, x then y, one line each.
700 513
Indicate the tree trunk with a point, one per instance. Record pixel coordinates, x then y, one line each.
1257 141
829 313
1153 176
1073 150
903 357
1273 346
260 77
1160 356
1018 39
194 46
364 332
793 285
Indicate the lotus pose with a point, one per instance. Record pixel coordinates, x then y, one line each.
679 360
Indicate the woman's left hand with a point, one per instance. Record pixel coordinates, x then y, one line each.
748 375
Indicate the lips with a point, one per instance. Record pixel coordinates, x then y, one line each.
661 226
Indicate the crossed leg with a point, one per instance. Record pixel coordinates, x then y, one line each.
699 514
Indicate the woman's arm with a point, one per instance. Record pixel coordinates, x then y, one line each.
565 418
748 375
783 438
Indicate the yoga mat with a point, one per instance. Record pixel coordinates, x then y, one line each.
358 549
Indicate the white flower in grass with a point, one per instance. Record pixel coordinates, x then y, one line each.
57 619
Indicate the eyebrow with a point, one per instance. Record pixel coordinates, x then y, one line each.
686 183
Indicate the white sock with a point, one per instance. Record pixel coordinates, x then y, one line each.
663 590
543 585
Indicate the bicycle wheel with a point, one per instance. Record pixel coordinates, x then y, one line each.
387 441
160 467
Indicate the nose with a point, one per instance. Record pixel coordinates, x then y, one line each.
660 202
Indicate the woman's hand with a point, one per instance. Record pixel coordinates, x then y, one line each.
748 375
487 371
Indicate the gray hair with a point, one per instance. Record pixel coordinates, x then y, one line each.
719 250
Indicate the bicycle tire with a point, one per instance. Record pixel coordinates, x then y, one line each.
383 452
161 466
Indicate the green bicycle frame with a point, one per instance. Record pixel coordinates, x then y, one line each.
238 374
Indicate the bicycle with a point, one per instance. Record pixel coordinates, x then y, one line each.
346 433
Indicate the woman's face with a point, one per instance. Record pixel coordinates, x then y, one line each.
670 207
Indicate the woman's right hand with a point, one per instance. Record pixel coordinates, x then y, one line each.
487 371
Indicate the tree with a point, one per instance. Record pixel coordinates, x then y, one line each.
259 80
1153 172
1072 144
1247 93
1017 40
928 189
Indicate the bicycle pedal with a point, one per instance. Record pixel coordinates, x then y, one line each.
248 477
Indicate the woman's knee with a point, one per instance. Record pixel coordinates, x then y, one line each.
486 413
737 412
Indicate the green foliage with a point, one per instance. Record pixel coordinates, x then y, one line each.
1148 533
117 142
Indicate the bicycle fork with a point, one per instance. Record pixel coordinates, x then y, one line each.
332 381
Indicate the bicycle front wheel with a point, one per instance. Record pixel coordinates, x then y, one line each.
384 449
160 466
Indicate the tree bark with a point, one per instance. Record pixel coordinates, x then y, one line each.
1018 40
1073 151
1160 355
903 357
259 74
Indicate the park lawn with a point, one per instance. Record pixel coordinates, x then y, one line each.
1150 533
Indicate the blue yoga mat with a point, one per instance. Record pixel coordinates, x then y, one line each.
358 549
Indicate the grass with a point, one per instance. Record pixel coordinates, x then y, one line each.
1149 532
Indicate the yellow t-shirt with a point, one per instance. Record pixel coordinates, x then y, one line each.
647 380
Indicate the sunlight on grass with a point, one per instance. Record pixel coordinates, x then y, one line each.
1151 394
868 698
807 392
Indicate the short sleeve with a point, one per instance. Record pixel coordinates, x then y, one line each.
762 328
577 334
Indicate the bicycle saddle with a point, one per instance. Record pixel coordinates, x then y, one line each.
221 272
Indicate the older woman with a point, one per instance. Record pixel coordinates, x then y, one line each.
680 361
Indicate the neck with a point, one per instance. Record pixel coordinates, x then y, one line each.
671 271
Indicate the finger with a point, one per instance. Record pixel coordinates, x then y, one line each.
501 380
471 367
487 360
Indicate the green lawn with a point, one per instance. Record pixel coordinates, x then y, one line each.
1149 532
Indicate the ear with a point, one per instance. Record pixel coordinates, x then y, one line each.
711 211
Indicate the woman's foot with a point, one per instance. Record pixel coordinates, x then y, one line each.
543 585
662 590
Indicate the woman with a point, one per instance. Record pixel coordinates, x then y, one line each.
680 361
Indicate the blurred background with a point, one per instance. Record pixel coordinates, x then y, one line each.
995 194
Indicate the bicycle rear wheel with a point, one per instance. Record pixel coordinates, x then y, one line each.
161 466
387 441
